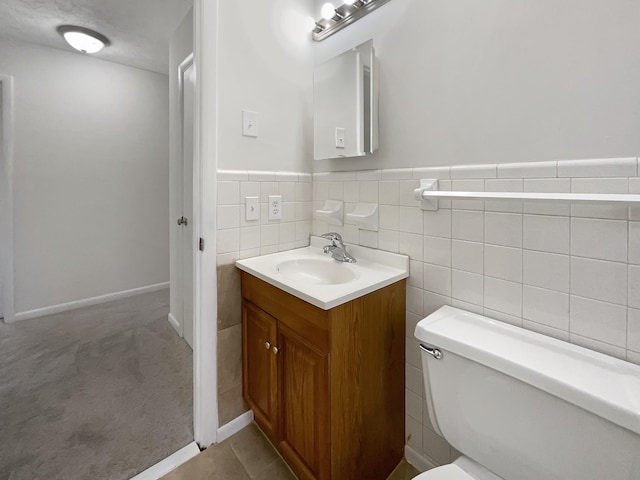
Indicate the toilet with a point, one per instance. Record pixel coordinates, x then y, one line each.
523 406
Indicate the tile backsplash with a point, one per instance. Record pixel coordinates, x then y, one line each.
568 271
239 238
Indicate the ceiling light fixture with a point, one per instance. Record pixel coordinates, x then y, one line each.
335 19
83 39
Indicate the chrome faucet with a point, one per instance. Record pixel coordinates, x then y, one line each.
337 249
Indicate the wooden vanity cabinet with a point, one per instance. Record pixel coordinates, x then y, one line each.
327 386
259 337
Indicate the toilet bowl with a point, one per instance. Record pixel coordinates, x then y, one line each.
522 406
462 469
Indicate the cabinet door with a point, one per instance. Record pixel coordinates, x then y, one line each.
260 380
304 405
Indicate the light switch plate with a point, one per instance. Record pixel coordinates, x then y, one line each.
275 207
340 137
252 208
249 123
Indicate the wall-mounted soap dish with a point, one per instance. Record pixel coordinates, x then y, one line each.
332 212
364 216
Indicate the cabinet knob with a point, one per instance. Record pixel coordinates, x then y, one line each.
275 350
267 345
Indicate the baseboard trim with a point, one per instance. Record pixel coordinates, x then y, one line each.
234 426
87 302
170 463
175 324
420 461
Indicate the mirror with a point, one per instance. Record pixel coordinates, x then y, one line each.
345 96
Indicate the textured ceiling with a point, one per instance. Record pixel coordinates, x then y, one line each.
139 30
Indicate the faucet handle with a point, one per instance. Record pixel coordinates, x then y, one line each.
333 236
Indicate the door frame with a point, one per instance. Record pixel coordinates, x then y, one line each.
6 190
205 306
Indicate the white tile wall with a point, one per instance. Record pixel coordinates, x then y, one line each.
633 330
467 225
612 167
568 272
503 229
546 270
546 233
503 296
437 279
503 262
240 238
467 256
465 286
598 320
599 280
546 307
528 170
634 242
437 250
597 238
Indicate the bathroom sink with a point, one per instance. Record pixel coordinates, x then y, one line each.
310 274
316 271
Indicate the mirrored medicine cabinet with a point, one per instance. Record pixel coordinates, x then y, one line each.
345 97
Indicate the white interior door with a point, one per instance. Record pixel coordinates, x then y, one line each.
3 249
3 208
188 240
6 198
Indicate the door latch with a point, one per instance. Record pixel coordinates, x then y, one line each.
183 221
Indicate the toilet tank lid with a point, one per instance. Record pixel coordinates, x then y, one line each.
603 385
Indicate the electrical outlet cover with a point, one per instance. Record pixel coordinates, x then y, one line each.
275 207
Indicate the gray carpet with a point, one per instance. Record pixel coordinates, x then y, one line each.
101 392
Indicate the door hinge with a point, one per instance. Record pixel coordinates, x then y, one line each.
201 244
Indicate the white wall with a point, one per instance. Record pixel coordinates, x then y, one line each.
470 82
181 46
265 65
91 176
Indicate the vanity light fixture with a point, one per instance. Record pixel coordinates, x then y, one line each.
335 19
83 39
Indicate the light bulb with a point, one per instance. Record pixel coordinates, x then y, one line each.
328 11
83 42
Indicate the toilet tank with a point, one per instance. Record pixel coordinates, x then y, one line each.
527 406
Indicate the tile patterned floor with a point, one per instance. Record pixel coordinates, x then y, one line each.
249 456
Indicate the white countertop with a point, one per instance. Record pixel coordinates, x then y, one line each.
373 270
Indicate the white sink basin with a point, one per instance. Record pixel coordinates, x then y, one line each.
315 277
316 271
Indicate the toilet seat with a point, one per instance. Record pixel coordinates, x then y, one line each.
446 472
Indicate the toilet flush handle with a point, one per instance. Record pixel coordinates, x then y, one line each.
434 352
